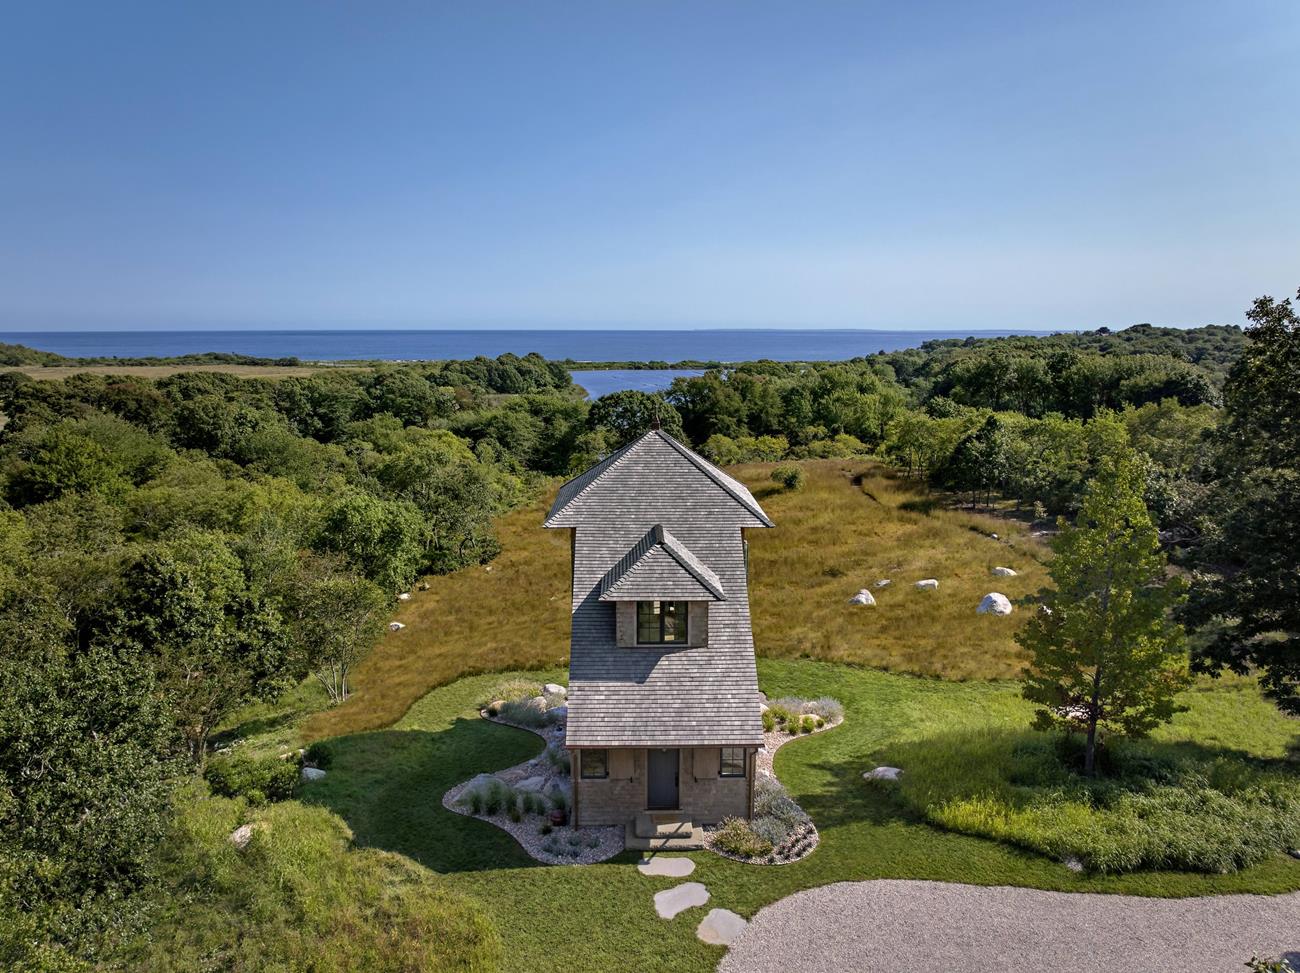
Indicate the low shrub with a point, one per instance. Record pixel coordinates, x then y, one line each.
772 830
1155 806
258 780
769 721
829 709
781 714
545 828
807 724
772 801
560 801
736 837
790 477
319 754
497 796
531 802
557 758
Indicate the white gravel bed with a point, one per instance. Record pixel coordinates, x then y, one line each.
579 846
895 926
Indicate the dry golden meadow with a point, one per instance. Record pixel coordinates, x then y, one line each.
843 530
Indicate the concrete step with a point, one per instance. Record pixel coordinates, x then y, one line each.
690 839
661 824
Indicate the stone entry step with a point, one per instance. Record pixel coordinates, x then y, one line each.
686 837
662 824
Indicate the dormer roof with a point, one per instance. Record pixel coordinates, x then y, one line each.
645 455
660 568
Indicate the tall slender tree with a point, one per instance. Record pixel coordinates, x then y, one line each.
1246 594
1104 649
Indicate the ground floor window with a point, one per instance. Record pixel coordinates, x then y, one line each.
595 764
732 762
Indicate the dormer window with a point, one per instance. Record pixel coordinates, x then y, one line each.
661 622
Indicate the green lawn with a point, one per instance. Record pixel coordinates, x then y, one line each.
388 784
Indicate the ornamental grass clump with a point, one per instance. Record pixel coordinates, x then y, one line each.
737 837
525 712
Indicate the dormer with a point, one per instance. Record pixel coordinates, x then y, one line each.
661 593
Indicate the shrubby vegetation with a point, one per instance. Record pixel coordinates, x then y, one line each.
1154 806
174 549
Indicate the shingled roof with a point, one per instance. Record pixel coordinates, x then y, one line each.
656 518
577 487
659 567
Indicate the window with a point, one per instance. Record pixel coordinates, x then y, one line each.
595 764
732 762
660 622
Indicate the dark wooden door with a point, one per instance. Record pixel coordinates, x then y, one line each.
661 779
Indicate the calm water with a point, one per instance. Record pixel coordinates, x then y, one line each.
603 381
668 346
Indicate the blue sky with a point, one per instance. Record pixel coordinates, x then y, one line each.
793 164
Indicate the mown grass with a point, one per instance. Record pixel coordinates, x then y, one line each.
387 785
300 897
841 531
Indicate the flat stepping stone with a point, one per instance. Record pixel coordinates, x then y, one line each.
721 927
669 867
677 899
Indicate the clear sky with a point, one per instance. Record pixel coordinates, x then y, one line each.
795 164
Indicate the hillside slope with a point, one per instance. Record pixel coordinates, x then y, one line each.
841 531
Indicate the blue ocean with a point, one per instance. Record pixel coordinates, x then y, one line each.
723 345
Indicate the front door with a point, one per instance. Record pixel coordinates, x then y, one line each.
661 779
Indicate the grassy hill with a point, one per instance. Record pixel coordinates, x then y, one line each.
843 530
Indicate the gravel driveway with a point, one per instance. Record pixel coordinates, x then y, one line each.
924 927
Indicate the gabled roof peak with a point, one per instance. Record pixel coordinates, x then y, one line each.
659 567
587 480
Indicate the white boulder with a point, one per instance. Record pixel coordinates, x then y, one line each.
554 689
883 773
313 773
241 836
928 584
1004 573
863 597
534 784
404 596
995 603
395 626
883 583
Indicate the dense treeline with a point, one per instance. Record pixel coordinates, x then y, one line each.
173 549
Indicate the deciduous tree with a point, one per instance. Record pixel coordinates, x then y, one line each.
1104 649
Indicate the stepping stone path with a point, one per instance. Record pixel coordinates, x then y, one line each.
677 899
669 867
721 927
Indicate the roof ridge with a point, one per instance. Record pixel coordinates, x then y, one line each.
610 461
687 558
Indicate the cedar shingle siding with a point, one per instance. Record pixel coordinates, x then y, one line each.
660 696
